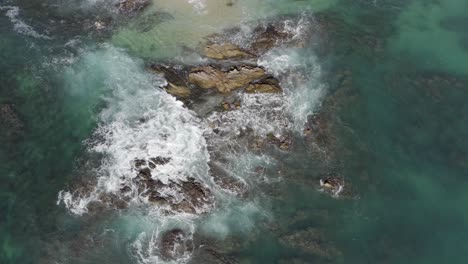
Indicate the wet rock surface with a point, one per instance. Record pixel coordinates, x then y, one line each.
130 7
225 80
175 244
225 51
184 196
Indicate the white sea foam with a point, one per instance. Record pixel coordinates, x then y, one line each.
263 113
140 122
301 78
198 5
19 25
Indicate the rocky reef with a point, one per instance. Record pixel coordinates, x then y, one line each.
229 84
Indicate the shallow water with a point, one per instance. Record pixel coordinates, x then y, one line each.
389 75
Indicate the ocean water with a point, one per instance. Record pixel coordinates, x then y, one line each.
388 78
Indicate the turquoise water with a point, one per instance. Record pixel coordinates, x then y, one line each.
398 122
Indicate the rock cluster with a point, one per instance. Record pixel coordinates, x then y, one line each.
184 196
174 244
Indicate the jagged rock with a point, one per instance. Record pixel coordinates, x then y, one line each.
132 6
175 244
177 84
311 241
225 81
267 37
283 142
225 51
263 88
178 91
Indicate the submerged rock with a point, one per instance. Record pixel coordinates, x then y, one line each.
225 51
10 121
132 6
311 241
148 22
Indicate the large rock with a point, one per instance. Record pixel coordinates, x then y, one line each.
225 80
225 51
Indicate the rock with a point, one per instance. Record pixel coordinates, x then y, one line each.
311 241
178 91
225 51
225 81
159 161
332 185
132 6
283 142
175 244
267 37
262 88
177 84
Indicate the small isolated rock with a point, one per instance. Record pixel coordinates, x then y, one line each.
225 51
332 185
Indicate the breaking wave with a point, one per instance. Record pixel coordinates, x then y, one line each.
140 122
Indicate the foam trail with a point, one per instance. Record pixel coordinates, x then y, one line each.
19 25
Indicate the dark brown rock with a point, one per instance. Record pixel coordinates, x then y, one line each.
132 6
267 37
175 244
